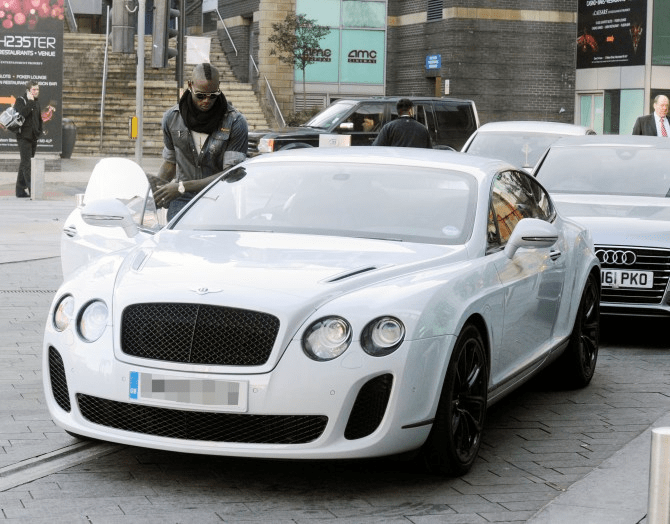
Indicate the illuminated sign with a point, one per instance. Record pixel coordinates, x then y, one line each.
611 33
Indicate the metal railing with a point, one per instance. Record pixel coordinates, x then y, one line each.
104 80
71 20
269 94
224 26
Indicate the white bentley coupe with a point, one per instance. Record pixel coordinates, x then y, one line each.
317 303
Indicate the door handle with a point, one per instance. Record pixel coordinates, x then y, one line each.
554 254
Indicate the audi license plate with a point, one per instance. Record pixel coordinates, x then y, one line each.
618 278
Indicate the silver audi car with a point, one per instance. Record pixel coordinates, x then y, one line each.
619 188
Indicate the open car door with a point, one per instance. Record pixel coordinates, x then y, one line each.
119 188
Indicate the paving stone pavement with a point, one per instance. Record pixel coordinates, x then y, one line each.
548 457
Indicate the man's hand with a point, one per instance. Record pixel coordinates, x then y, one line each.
166 194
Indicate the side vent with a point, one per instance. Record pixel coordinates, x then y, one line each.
369 408
58 380
352 273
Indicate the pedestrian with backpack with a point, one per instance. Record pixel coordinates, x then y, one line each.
28 107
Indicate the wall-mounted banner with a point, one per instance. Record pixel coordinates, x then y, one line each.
31 48
611 33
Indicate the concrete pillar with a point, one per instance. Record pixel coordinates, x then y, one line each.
36 178
658 511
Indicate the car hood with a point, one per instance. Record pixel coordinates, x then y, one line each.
267 271
259 133
620 220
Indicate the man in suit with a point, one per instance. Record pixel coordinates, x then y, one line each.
657 123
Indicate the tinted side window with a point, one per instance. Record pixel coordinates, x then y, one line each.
366 118
515 195
455 122
423 113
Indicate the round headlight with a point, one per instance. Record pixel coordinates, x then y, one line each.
93 321
327 338
382 336
63 313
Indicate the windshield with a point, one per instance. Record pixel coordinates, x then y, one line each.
618 170
331 115
519 149
341 199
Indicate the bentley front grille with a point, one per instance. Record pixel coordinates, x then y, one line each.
198 334
635 259
202 425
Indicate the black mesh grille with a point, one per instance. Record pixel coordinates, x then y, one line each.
202 425
58 380
198 334
369 408
656 260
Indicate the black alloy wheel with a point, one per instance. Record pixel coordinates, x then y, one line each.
578 362
456 435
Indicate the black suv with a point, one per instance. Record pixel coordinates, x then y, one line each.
450 122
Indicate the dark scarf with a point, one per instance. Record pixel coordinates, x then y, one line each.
202 121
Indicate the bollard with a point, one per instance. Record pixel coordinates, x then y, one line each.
658 510
36 178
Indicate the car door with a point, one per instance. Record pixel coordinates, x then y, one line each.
423 113
112 178
532 279
455 121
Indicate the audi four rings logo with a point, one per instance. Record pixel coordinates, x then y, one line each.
616 257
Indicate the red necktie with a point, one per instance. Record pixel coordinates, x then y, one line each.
663 131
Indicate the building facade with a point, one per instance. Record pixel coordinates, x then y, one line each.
516 59
597 63
623 61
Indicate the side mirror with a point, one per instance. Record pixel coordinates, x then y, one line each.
109 212
531 233
346 126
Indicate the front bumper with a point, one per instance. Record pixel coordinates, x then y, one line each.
355 406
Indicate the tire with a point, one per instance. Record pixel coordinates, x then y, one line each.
456 435
295 145
578 363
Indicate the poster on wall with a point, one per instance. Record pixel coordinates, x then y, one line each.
31 48
611 33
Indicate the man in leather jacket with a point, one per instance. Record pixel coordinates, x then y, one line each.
202 135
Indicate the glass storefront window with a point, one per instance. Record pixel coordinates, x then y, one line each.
632 106
612 112
591 111
354 51
363 14
325 12
660 45
362 57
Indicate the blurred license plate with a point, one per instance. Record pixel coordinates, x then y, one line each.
630 279
223 394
